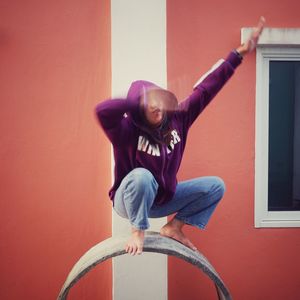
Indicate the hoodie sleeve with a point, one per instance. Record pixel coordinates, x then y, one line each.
208 86
110 114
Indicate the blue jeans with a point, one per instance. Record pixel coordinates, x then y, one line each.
194 200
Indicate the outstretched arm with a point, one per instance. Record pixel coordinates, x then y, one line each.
212 82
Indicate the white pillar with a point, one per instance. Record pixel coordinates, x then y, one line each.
138 52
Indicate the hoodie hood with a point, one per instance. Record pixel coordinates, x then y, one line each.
138 94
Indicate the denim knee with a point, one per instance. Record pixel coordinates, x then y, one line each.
142 179
219 186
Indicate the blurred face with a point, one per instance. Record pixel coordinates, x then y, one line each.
154 110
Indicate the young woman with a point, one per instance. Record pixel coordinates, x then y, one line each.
148 130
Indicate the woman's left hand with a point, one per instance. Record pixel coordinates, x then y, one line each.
251 43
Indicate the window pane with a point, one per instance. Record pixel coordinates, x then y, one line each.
284 136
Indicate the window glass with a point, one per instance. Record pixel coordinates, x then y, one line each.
284 136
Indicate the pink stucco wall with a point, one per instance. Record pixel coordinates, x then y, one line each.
55 166
55 67
254 263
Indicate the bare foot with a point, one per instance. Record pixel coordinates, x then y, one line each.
136 242
173 230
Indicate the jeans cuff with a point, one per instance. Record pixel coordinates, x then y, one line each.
186 221
140 227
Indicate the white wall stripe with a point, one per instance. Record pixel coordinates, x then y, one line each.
215 66
138 52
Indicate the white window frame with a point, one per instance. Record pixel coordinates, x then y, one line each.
274 44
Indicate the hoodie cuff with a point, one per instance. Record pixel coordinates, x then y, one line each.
234 58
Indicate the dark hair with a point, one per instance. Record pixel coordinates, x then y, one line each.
159 134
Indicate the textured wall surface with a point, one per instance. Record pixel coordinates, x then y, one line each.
55 67
55 161
254 263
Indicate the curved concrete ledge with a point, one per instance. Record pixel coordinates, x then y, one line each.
154 242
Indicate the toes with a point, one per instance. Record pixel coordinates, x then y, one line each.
134 248
190 245
129 249
139 250
193 247
135 243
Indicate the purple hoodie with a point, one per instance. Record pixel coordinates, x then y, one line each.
132 144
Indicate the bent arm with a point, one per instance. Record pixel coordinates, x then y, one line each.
110 114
